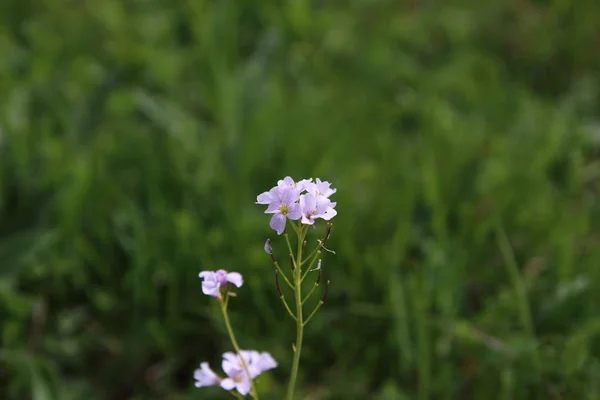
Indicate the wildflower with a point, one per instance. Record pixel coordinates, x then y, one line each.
285 183
299 186
305 199
313 207
205 376
283 206
320 188
214 280
237 378
237 375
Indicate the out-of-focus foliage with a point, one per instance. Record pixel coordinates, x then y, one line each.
463 139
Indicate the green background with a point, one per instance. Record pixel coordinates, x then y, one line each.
463 139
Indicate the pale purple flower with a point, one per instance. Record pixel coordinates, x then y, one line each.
256 363
299 186
237 378
283 206
285 183
313 207
292 200
205 376
214 280
261 362
320 188
237 375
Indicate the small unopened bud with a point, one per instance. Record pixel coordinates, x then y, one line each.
268 248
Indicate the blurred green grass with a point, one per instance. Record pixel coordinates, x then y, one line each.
462 139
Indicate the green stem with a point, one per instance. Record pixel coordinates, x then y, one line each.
283 274
313 313
299 319
236 346
289 245
310 293
518 282
287 308
316 256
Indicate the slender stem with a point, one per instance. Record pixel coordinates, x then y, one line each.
313 313
236 346
289 245
310 293
518 282
283 274
317 254
299 319
312 253
289 310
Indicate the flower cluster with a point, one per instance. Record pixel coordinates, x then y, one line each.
237 374
305 200
213 281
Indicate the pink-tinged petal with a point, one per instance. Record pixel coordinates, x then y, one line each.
308 203
221 277
243 386
266 362
304 184
278 223
322 204
206 274
307 221
264 198
294 212
235 278
229 358
273 208
287 181
330 213
210 289
205 376
288 196
232 369
227 384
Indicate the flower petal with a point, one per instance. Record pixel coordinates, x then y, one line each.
235 278
264 198
210 289
206 274
227 383
294 212
205 376
243 386
278 223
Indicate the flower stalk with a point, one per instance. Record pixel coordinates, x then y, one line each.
236 346
301 232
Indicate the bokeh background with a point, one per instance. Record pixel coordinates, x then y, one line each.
463 138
